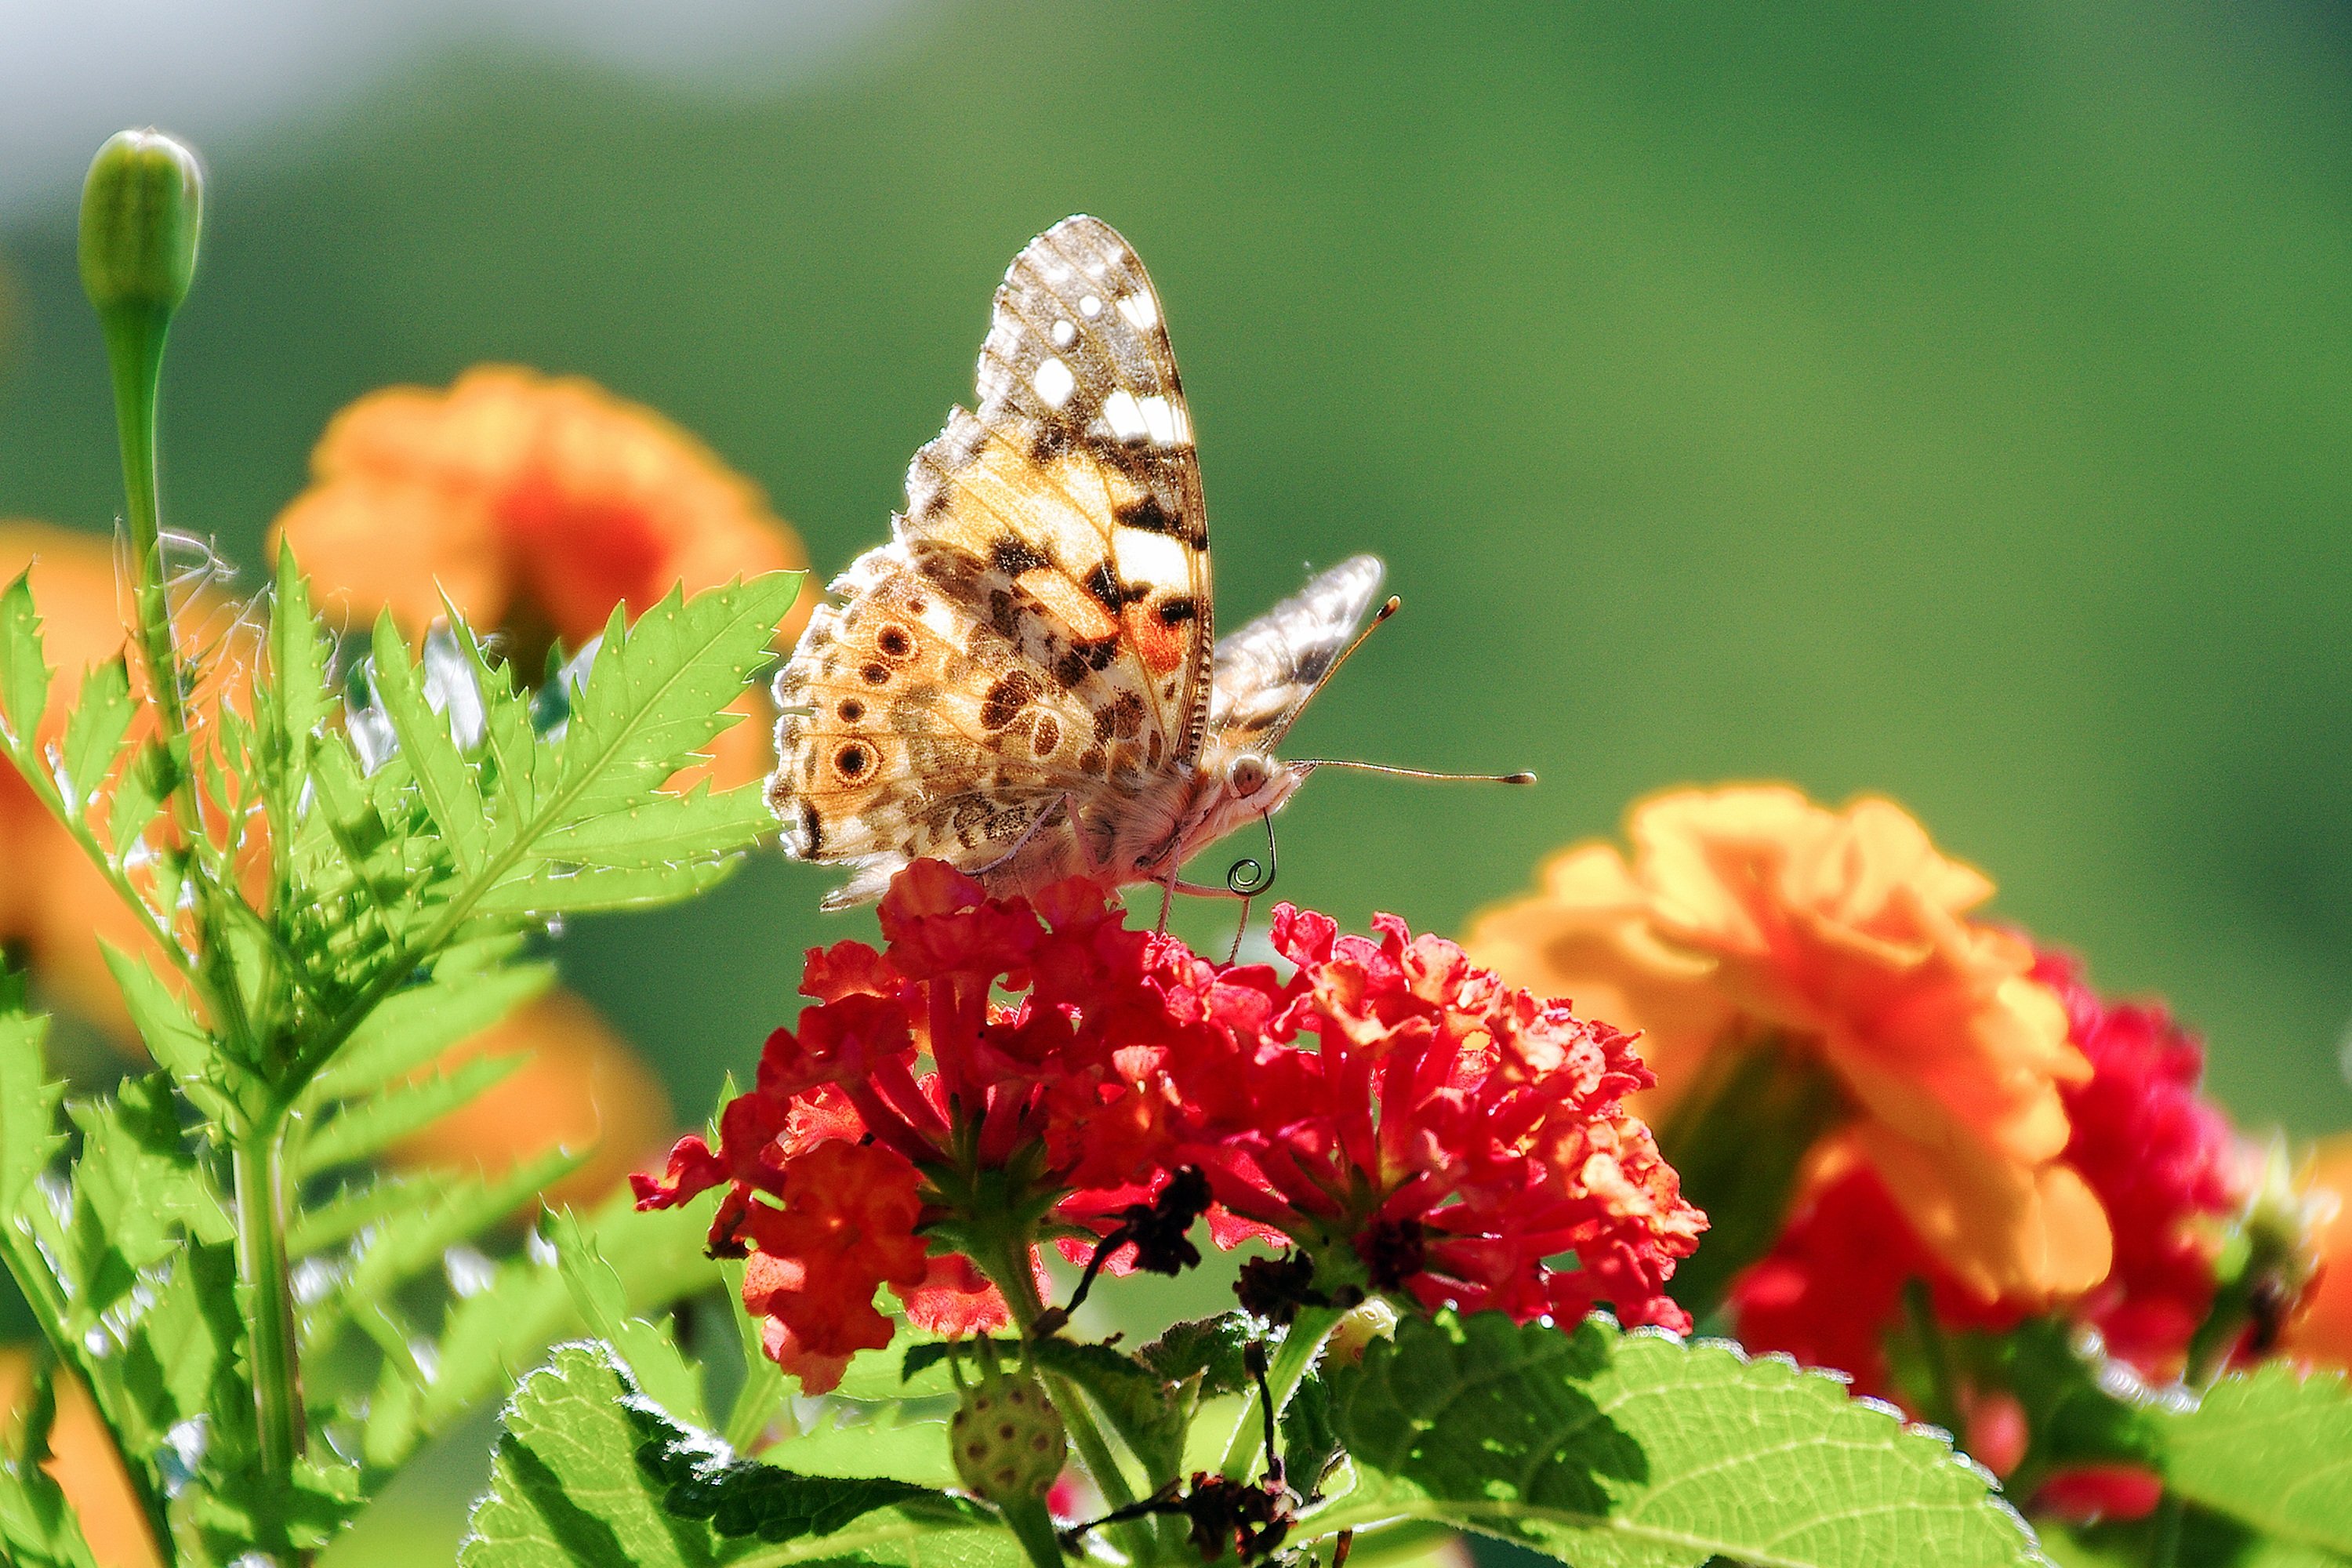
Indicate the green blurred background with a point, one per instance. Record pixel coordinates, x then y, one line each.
1943 400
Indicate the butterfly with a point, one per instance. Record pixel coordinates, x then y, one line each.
1024 681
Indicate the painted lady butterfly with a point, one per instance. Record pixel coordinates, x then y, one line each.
1023 683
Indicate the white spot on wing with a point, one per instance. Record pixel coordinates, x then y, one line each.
1140 311
1089 307
1159 419
1055 272
1124 418
1145 556
1055 382
1064 335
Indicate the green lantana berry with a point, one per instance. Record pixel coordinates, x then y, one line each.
1007 1438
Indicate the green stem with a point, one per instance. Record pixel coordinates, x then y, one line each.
1033 1527
1008 1267
1301 1345
266 1293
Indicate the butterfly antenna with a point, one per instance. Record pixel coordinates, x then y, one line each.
1390 608
1415 772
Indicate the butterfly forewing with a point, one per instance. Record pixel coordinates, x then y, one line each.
1038 629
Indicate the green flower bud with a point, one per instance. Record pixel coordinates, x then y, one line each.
140 209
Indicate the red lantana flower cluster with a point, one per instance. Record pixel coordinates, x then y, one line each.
1008 1069
2160 1157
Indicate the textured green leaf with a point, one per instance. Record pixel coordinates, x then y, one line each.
665 829
547 891
24 673
1614 1451
101 716
368 1127
1212 1347
414 1026
443 777
567 1491
701 1477
29 1138
2272 1450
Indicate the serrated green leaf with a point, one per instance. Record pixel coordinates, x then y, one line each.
665 829
415 1240
1615 1450
24 673
490 1338
647 1349
298 695
180 1358
2272 1449
136 1187
368 1127
29 1138
567 1491
39 1528
242 1510
413 1027
137 796
548 890
173 1035
659 689
443 777
101 716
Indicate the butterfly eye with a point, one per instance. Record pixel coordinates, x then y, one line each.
1248 775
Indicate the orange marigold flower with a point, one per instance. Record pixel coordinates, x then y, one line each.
1751 913
538 504
581 1088
86 1467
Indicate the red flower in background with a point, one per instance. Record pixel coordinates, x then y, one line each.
2158 1155
1441 1139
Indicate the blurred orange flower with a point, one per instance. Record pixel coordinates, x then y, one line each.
87 1470
583 1088
537 504
1752 913
2322 1330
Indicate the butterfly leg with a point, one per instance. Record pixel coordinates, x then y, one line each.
1067 805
